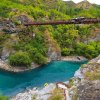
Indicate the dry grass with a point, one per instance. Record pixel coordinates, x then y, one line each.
57 94
92 76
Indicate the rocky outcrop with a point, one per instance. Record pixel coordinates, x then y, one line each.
86 82
6 67
89 90
23 19
7 26
14 25
74 58
5 53
54 55
54 52
35 94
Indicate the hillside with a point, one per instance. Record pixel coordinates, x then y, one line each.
84 4
40 44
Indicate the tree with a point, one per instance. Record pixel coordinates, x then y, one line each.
20 59
79 48
35 55
90 51
39 58
65 52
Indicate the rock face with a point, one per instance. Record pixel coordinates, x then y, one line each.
86 81
35 94
89 90
54 55
7 26
5 54
23 19
54 52
11 25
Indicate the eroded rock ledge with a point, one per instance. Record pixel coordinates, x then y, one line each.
5 66
86 82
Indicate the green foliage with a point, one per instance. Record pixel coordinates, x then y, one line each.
65 52
20 59
17 22
39 43
88 50
3 97
3 37
72 39
71 83
35 55
39 58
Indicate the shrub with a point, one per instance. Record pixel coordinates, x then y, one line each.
92 75
65 51
4 98
17 22
35 55
57 94
71 83
20 59
39 58
90 51
3 37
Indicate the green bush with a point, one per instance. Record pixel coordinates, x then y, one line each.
3 37
39 58
20 59
35 55
17 22
4 98
65 52
90 51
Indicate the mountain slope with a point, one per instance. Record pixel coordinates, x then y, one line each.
33 41
84 4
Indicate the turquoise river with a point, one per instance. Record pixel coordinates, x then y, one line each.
57 71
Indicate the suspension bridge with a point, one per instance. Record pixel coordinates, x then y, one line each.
80 20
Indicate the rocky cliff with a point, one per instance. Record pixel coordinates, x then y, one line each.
86 83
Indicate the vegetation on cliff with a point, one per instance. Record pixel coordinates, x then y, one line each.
4 98
20 59
40 41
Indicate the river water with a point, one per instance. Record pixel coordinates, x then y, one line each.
57 71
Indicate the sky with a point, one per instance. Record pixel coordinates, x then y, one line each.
91 1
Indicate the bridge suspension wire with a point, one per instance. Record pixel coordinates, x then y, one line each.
71 21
